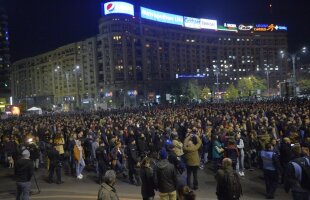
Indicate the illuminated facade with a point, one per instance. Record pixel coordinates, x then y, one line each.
66 75
150 51
4 57
140 53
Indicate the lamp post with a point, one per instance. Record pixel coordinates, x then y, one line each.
216 73
77 85
267 71
294 57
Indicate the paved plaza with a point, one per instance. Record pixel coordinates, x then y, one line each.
252 183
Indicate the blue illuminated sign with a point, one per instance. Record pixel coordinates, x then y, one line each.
191 22
261 25
161 16
281 28
118 7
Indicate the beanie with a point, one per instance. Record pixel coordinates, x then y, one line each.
26 154
163 154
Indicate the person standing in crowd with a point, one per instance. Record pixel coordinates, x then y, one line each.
191 145
296 177
217 152
165 178
232 152
78 152
34 152
240 161
146 175
228 182
272 170
107 190
133 162
103 161
205 139
285 155
24 170
55 164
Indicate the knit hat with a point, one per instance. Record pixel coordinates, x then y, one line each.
163 154
26 154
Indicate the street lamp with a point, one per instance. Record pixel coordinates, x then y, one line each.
267 71
77 70
294 57
216 73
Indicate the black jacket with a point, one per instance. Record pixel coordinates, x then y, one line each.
132 153
147 188
285 153
102 155
165 177
54 156
23 170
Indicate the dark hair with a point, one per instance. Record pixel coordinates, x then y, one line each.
268 146
186 193
144 162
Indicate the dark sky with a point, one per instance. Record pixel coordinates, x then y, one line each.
37 26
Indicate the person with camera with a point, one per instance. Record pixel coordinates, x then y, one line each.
191 145
55 165
24 170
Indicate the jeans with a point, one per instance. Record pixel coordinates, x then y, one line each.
54 166
36 163
23 189
168 196
216 163
148 198
240 162
190 170
300 195
271 181
79 166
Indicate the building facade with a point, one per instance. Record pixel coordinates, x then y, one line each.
64 76
5 91
141 53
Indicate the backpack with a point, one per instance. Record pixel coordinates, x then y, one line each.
233 188
302 173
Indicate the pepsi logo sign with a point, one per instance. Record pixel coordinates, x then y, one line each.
110 7
118 7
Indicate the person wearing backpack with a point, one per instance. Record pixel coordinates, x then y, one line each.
228 182
297 176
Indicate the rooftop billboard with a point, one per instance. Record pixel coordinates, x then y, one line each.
118 7
161 16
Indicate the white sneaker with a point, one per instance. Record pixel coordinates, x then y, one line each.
79 177
240 173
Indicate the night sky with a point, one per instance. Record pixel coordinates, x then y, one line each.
37 26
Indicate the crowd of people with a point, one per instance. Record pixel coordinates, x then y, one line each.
153 146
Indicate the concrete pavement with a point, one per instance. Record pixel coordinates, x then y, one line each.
253 187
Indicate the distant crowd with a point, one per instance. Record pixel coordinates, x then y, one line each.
141 145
